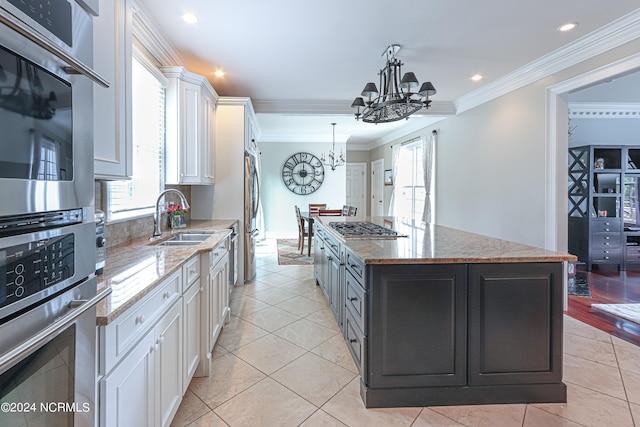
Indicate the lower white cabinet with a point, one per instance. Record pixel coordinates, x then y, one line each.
145 388
191 302
215 301
128 391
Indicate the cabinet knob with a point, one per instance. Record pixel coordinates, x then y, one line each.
140 319
152 349
209 356
166 295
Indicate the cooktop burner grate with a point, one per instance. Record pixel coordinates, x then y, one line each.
362 229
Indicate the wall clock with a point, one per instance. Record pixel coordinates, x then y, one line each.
303 173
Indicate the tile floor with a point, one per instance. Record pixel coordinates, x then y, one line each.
281 361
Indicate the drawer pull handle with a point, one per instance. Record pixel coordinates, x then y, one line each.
353 340
353 298
152 349
166 295
606 257
140 319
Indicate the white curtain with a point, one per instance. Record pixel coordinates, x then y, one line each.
395 155
427 167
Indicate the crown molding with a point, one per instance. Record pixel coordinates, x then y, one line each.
610 36
150 35
604 110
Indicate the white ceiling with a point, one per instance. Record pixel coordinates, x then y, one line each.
303 63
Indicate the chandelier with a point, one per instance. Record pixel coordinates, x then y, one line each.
398 99
26 95
333 163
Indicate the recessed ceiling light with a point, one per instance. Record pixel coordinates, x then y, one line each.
189 18
568 26
476 77
219 73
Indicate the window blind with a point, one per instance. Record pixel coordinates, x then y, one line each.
138 195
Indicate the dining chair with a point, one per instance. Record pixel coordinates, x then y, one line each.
303 231
352 211
315 207
330 212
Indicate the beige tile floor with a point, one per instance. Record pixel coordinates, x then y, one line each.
281 361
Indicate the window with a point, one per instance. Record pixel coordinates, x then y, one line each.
409 184
127 199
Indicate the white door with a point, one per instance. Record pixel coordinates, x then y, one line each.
377 187
356 186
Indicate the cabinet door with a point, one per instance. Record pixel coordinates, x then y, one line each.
127 393
168 336
333 287
515 323
224 291
190 121
417 325
214 306
192 322
112 138
208 140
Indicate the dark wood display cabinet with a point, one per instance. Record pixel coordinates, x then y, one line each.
604 214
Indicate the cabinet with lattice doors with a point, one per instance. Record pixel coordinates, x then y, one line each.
603 209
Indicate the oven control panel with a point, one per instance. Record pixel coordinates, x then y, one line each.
31 267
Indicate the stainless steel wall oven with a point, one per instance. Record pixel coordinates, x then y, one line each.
47 230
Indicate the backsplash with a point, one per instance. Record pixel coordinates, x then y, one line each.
121 232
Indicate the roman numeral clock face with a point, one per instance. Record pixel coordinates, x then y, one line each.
303 173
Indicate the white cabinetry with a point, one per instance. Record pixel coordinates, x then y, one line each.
190 128
215 301
191 303
236 131
141 357
112 59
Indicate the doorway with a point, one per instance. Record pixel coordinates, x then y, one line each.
356 181
377 187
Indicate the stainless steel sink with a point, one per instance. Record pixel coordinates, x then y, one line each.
179 243
190 237
185 239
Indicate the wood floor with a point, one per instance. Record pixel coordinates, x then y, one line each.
609 286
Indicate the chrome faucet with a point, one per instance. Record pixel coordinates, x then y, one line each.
157 229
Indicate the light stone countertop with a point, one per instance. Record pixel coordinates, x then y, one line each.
134 269
434 244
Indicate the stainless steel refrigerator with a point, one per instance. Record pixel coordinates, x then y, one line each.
251 207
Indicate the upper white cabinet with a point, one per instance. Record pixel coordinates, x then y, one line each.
190 128
112 59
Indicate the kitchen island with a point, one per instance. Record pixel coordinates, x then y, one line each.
438 316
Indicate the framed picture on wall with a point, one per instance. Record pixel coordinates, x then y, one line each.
388 180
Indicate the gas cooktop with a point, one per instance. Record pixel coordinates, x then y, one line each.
363 230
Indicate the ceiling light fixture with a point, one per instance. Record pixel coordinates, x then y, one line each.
398 99
333 163
476 77
219 73
568 26
189 18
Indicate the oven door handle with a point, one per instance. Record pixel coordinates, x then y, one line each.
17 353
17 25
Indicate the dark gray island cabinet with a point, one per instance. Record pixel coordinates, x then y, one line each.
447 329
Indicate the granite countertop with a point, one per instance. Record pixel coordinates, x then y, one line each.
134 269
436 244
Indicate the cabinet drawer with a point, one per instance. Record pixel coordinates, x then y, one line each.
633 254
606 240
355 301
330 243
191 272
606 255
123 333
605 225
218 252
356 267
356 341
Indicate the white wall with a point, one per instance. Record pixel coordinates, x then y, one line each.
605 132
278 201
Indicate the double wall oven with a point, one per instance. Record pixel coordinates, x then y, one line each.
48 289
